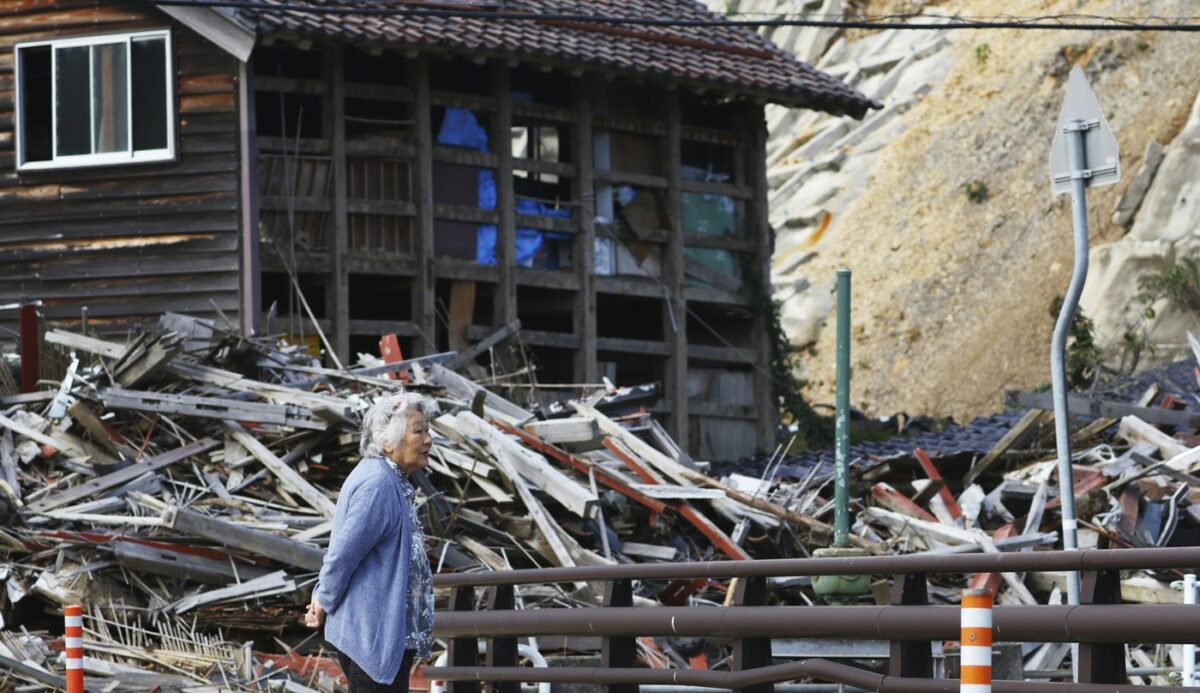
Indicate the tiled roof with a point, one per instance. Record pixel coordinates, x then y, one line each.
729 57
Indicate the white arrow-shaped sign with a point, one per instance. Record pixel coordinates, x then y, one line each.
1081 110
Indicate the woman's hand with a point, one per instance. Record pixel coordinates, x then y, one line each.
315 615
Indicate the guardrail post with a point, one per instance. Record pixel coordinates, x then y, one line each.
502 652
1101 663
911 658
618 651
752 653
463 651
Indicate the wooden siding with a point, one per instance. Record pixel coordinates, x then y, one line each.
128 242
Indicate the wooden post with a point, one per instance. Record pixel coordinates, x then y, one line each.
506 201
251 284
463 651
751 653
586 370
758 227
424 316
618 651
1102 663
909 658
29 328
675 313
502 652
340 246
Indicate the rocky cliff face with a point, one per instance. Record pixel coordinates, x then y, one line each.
941 203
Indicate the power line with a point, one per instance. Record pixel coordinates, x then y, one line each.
1070 22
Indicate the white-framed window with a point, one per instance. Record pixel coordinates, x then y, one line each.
95 101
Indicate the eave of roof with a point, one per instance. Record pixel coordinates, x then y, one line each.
728 60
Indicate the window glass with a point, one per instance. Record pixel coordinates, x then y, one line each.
89 101
149 93
36 103
110 100
72 100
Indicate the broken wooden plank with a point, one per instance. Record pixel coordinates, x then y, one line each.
575 429
289 477
583 466
650 551
279 394
101 433
1136 430
719 539
473 352
670 492
1083 406
1092 430
533 467
643 450
122 476
1016 436
944 494
134 371
464 389
254 541
212 408
549 528
160 561
79 342
36 436
271 583
893 500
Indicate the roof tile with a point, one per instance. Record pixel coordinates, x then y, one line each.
729 57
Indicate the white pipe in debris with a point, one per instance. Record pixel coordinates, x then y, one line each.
525 651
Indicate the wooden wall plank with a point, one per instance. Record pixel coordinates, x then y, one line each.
127 241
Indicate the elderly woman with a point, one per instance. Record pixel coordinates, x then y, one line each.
375 591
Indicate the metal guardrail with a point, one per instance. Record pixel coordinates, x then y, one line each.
1101 624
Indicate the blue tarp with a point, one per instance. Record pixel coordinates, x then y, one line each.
461 129
529 241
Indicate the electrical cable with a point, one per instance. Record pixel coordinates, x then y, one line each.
1067 22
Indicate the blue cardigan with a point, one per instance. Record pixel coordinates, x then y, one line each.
363 585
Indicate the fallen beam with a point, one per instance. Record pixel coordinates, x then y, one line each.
1095 408
252 540
122 476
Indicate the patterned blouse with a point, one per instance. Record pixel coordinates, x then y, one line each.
419 631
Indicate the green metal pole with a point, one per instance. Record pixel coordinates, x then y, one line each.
841 536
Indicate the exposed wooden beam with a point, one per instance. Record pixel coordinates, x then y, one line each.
753 173
584 191
675 308
424 314
252 540
505 306
339 280
290 478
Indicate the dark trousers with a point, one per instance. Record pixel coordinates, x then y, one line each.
361 683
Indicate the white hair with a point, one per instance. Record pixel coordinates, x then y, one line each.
386 422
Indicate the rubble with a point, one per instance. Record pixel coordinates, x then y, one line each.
181 485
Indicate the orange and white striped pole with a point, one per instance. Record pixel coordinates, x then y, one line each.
73 634
976 652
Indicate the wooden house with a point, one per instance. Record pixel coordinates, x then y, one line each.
429 169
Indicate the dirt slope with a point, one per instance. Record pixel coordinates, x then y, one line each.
951 297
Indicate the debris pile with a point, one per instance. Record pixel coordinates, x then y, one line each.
181 486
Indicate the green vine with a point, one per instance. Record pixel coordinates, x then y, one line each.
813 430
1083 362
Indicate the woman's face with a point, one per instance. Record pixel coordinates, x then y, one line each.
413 452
